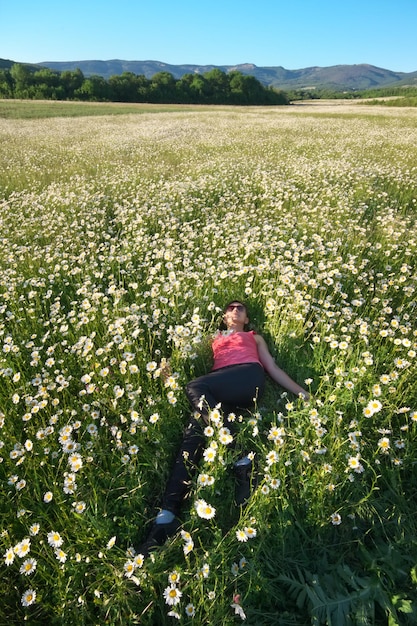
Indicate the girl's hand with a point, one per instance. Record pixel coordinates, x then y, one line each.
165 369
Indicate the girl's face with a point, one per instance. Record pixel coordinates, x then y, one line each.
235 316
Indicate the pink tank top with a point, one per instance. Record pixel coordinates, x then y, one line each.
234 349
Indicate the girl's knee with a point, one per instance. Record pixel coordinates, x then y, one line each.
194 391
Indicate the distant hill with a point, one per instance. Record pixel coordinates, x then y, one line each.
6 64
337 77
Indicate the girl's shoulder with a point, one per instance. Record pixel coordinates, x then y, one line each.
258 338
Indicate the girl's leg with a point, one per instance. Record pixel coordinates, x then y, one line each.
235 386
166 523
187 459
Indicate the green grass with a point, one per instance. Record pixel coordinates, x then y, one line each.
121 239
409 101
35 109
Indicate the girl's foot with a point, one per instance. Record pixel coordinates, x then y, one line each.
158 534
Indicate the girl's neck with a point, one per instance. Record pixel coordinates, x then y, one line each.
235 329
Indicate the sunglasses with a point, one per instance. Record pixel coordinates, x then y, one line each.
239 307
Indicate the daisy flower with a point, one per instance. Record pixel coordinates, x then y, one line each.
241 536
275 483
225 437
9 556
276 434
272 457
250 532
75 462
61 555
54 539
375 405
215 416
335 519
22 548
204 510
138 560
174 614
174 577
384 445
79 507
205 571
129 568
28 567
188 547
209 454
28 597
354 463
171 398
186 535
188 542
172 595
205 480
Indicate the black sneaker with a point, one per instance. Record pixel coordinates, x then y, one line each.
245 483
159 533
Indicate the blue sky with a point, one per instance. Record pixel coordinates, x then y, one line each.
291 33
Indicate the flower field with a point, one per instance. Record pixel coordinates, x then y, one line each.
121 238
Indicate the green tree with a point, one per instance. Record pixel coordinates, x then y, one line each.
218 85
213 87
6 84
22 80
162 88
71 81
142 88
199 88
276 96
95 88
46 85
123 87
183 89
246 89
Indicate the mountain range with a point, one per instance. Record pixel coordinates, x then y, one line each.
337 77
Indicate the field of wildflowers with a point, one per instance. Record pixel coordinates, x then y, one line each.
121 239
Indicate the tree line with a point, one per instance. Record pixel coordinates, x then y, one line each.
213 87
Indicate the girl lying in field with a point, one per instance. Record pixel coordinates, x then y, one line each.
235 381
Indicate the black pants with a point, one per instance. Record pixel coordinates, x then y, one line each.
236 386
